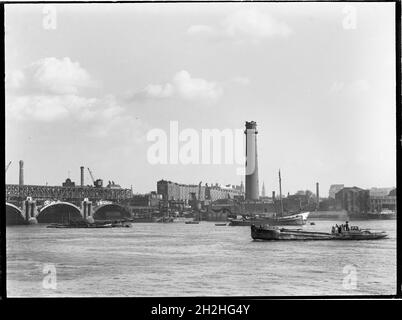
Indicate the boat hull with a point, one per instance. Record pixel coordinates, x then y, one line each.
268 234
90 226
142 220
293 220
391 216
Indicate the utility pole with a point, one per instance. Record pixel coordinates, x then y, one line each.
280 191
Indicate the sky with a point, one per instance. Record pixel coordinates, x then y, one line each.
87 83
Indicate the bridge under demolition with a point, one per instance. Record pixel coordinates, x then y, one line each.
15 192
28 212
27 204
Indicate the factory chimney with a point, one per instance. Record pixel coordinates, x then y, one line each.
317 188
252 189
21 182
82 176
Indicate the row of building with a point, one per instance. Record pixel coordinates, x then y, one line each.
173 191
362 201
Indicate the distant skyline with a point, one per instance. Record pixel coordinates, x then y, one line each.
86 83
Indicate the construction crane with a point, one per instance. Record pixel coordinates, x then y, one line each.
8 166
98 182
92 177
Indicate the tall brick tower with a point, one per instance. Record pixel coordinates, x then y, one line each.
252 186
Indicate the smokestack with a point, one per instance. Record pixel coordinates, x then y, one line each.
252 189
273 195
317 191
21 182
82 176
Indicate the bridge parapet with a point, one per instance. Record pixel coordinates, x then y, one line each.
17 192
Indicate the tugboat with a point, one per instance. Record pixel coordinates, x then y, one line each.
275 233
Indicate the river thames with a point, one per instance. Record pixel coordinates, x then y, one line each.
177 259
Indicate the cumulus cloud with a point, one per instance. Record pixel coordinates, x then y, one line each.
247 25
52 108
183 86
50 75
47 93
254 24
47 90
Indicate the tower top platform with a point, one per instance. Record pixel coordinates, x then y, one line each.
251 125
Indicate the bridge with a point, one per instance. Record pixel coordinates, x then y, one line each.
17 192
30 204
61 211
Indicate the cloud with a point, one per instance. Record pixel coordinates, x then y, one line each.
47 93
40 108
51 108
15 79
249 25
50 76
99 118
183 86
254 24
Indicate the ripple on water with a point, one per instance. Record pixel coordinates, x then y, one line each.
194 260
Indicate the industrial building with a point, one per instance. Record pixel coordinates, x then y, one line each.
380 202
173 191
354 200
334 189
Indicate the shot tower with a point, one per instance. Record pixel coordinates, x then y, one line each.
252 186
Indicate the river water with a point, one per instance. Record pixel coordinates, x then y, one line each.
177 259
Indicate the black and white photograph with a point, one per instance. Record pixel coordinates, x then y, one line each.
201 149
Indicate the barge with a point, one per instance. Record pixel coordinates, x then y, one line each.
264 232
96 224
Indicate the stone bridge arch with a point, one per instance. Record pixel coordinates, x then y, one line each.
14 215
59 212
111 211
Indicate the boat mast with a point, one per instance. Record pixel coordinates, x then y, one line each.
280 191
